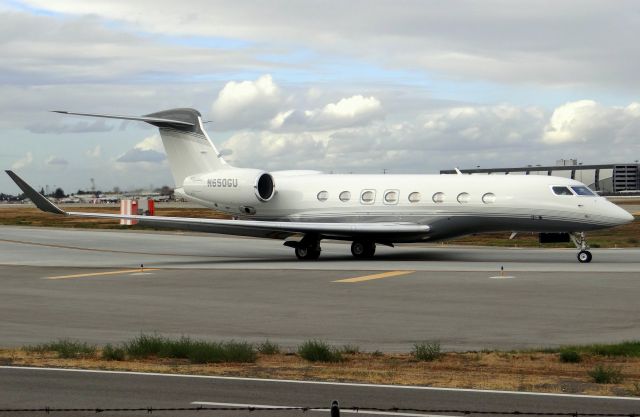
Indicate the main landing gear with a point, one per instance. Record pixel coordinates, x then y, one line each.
584 255
308 249
363 249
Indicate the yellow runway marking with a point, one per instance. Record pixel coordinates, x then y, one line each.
382 275
95 274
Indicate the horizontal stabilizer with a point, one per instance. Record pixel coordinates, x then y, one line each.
157 121
38 199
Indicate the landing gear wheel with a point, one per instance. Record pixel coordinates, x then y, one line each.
362 249
579 239
307 253
584 256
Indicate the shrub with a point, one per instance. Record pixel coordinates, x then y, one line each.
65 348
606 375
145 345
350 349
318 351
113 353
268 348
570 356
196 351
426 351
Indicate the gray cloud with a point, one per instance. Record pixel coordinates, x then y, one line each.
56 161
541 42
79 127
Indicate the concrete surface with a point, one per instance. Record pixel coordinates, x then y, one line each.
26 388
221 288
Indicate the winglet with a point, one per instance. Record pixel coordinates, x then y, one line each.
38 199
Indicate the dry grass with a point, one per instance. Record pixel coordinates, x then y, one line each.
618 237
542 372
18 215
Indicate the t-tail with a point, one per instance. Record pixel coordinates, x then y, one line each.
189 149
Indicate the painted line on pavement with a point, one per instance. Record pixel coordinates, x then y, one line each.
382 275
304 382
325 410
96 274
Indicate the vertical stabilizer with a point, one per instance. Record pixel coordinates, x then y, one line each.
188 147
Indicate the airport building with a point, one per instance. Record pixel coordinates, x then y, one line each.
606 179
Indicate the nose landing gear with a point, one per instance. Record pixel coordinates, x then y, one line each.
584 255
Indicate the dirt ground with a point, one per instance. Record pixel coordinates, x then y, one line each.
540 372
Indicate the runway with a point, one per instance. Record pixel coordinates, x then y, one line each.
88 285
37 388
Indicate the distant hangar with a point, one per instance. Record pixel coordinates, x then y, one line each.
606 179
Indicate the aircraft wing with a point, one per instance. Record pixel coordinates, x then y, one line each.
254 228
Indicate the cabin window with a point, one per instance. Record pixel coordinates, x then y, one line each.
438 197
414 197
582 190
345 196
323 196
561 191
489 198
391 197
367 196
464 198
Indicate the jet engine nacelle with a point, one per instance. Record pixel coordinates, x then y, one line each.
238 188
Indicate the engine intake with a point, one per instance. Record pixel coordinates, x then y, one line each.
265 187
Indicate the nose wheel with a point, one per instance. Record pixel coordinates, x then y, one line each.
584 255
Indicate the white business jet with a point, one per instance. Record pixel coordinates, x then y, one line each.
305 207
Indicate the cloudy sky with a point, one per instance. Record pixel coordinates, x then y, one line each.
355 86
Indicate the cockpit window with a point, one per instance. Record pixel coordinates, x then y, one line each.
561 191
582 190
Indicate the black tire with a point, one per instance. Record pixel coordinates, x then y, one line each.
363 249
307 253
584 256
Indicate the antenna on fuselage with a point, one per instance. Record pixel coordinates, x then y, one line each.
458 171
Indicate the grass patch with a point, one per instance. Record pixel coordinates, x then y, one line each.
268 348
426 351
606 375
65 348
196 351
319 351
113 353
628 349
350 349
570 356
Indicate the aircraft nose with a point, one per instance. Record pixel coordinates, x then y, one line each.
621 215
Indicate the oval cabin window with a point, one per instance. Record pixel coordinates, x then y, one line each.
414 197
345 196
323 196
438 198
367 197
489 198
391 197
464 198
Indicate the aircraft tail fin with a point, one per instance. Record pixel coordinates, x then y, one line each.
189 149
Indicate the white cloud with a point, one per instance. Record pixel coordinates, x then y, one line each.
247 103
23 162
53 160
589 121
352 107
149 150
94 152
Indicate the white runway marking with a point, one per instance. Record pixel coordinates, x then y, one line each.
325 410
344 384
